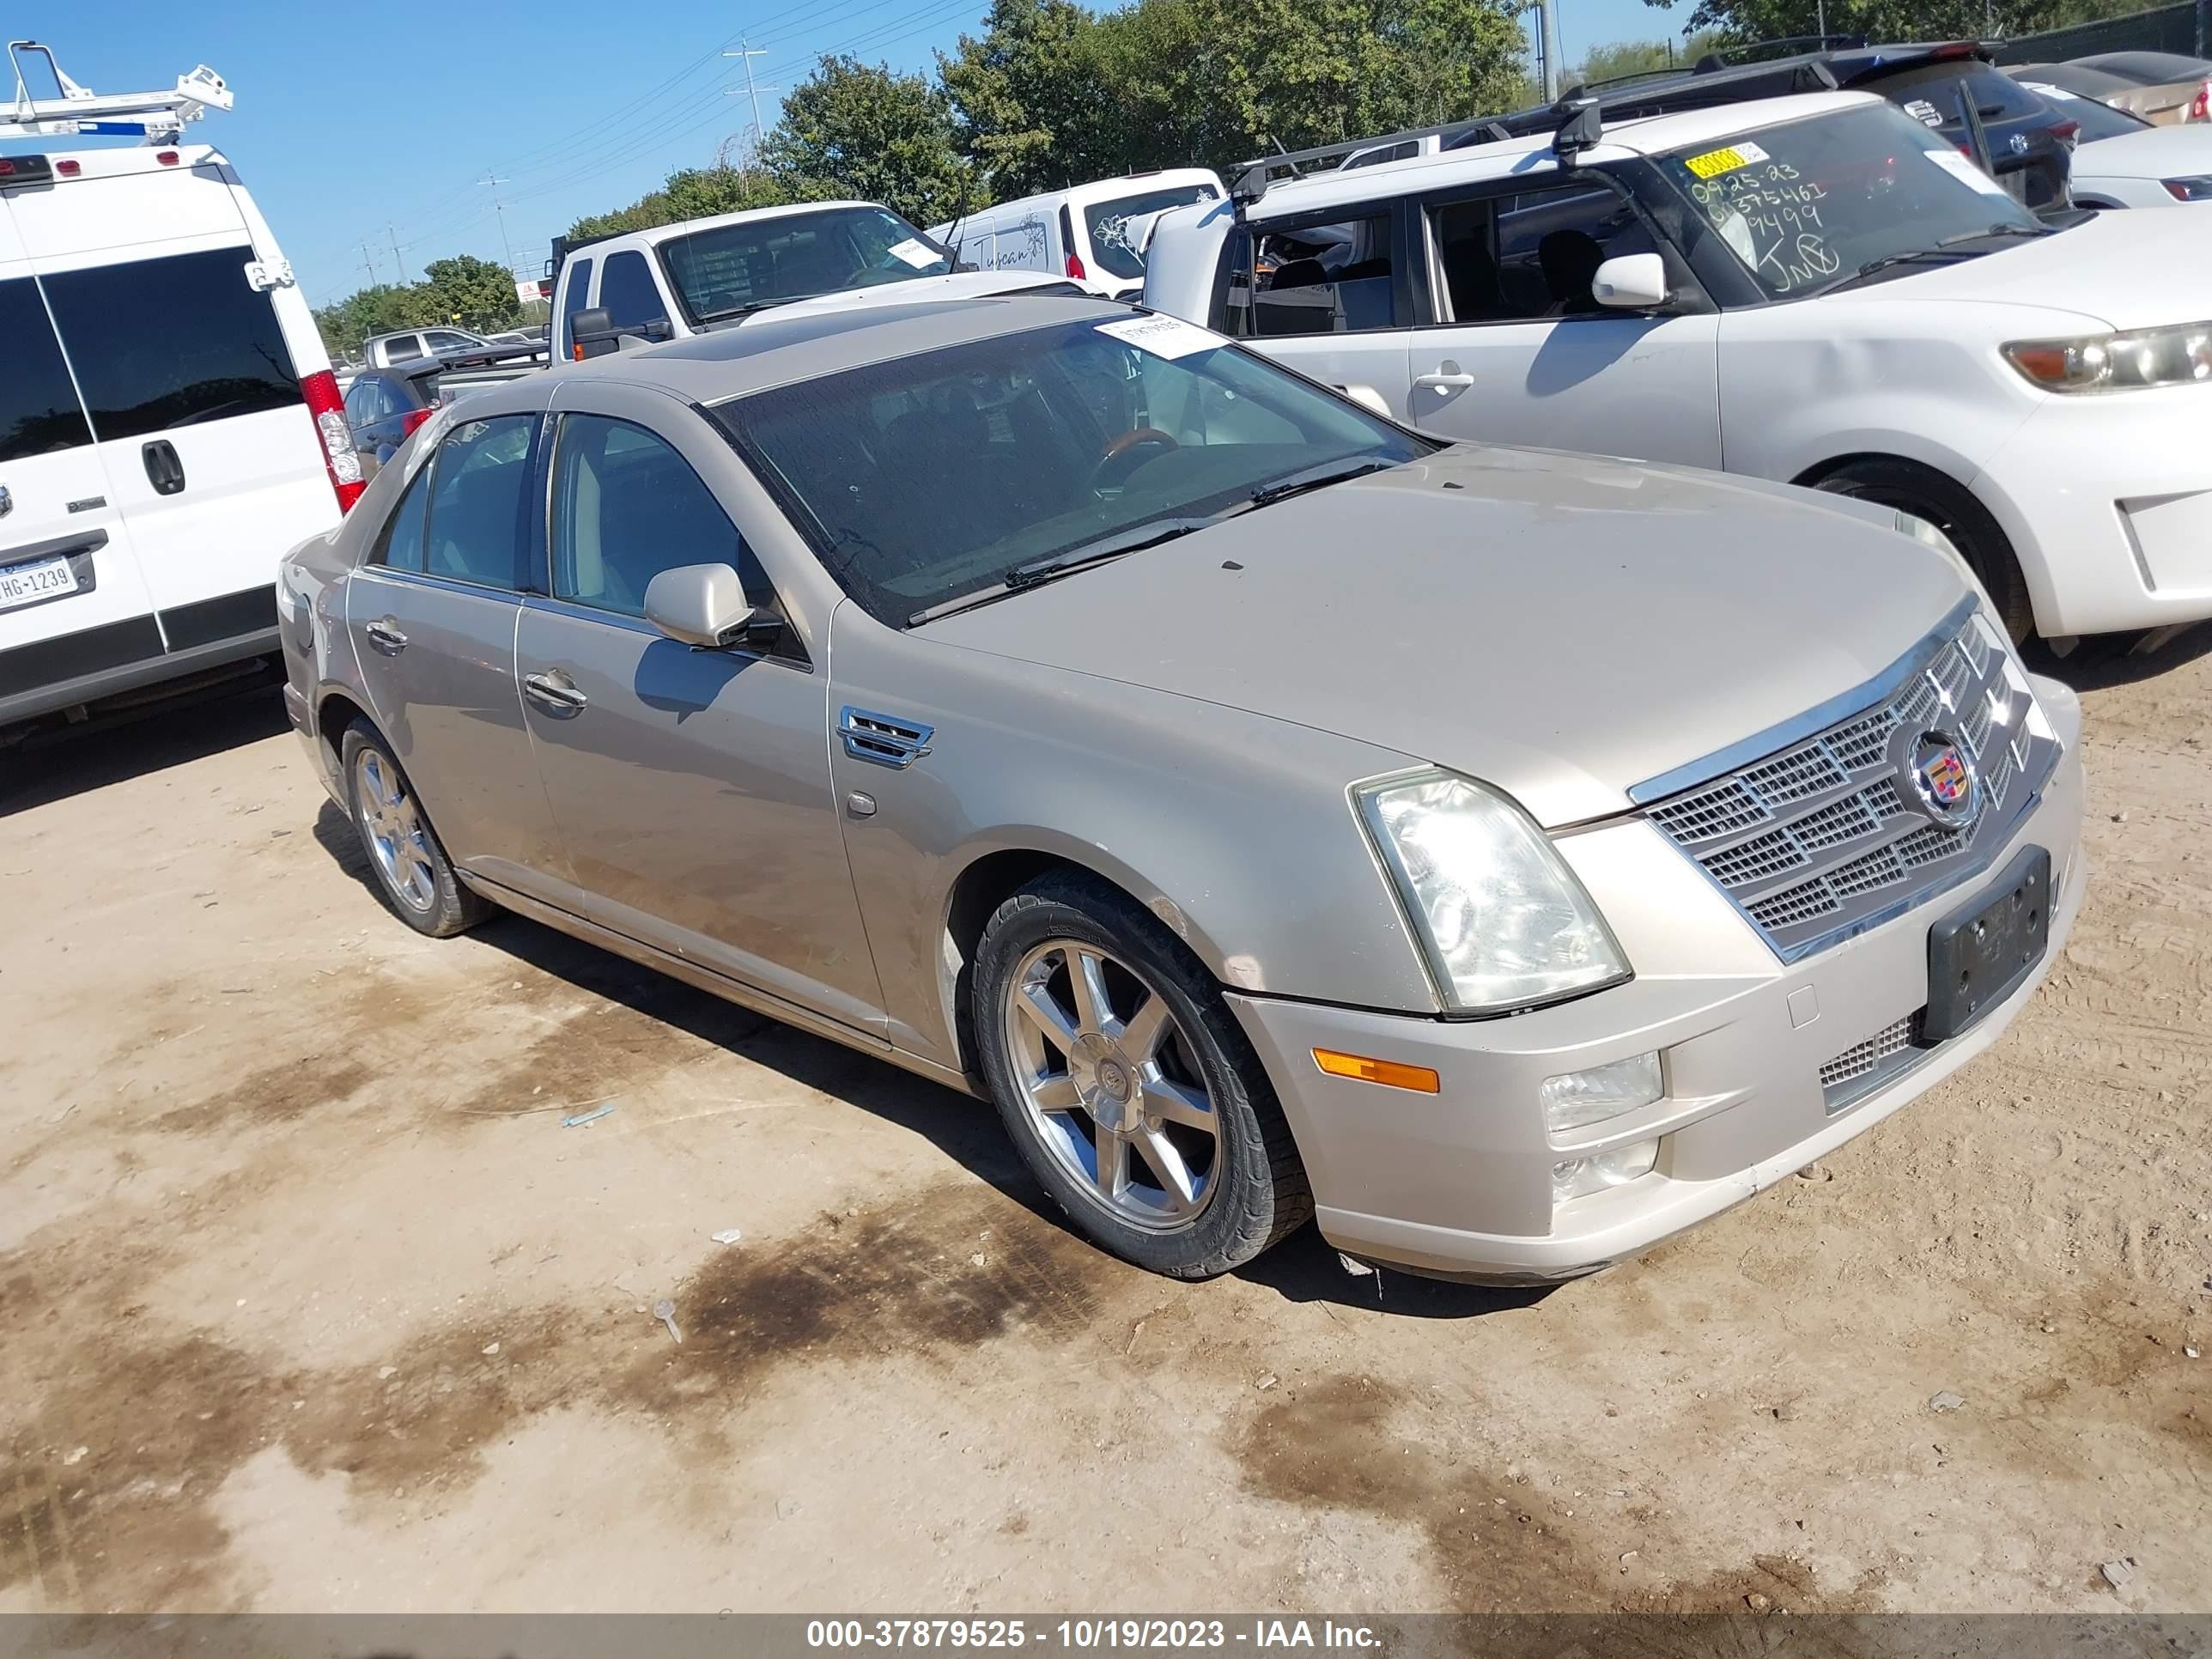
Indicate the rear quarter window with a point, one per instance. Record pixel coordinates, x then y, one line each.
39 410
162 344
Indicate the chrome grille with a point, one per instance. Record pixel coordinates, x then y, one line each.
1864 1066
1829 832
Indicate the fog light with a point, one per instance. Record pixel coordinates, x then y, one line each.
1578 1177
1575 1100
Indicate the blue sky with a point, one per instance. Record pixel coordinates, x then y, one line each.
354 125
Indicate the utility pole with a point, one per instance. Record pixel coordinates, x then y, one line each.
398 267
495 184
745 54
367 264
1548 46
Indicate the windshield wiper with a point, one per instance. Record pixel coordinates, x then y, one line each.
1084 556
1299 482
1994 230
728 312
1947 256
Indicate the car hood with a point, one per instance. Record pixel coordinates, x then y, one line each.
2122 269
2175 152
1562 627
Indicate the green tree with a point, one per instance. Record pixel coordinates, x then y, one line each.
1746 21
1035 98
1616 58
854 129
472 292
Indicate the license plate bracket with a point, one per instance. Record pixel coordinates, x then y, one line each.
1979 954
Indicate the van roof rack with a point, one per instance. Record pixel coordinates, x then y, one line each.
157 117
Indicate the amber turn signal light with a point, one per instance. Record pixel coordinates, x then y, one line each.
1392 1074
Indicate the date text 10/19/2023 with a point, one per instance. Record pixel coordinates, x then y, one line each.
1088 1635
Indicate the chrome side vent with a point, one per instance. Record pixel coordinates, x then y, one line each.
882 739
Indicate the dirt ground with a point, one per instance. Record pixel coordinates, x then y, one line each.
308 1301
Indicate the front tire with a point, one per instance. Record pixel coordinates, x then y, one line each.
1953 511
407 863
1131 1093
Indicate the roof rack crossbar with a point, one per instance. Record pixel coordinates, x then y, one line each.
157 117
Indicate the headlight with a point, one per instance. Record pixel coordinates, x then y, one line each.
2117 363
1502 920
2198 189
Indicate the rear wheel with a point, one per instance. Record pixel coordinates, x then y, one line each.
1128 1085
407 863
1952 510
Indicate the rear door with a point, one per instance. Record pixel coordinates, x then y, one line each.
433 614
1328 294
194 396
72 599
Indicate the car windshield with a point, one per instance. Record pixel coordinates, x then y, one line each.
733 268
1813 203
1108 223
2096 119
931 477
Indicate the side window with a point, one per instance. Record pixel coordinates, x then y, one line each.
627 506
626 293
400 545
1530 257
39 411
163 343
402 347
479 481
572 302
1321 279
444 339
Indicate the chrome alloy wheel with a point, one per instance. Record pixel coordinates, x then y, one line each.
394 831
1111 1085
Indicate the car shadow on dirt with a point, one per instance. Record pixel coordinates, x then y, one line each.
1304 1268
55 763
2104 661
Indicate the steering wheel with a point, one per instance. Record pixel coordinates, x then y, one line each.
1126 454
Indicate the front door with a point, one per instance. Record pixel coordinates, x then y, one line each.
1513 348
691 787
432 616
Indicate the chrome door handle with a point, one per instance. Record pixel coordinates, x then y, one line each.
385 637
1444 377
555 690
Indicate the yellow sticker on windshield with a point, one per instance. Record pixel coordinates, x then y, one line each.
1714 162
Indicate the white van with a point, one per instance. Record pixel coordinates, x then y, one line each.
170 425
1093 233
700 275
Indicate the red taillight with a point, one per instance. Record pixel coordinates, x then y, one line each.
2200 106
414 418
1075 268
7 167
328 408
167 158
2066 132
68 169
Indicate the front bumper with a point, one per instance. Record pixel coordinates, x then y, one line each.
1458 1183
2107 502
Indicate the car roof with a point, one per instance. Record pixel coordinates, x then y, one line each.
2147 69
2072 78
769 350
1532 153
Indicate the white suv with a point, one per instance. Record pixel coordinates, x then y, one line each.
169 426
1815 289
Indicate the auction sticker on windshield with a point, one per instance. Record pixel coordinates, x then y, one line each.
915 253
1965 171
41 579
1164 337
1714 162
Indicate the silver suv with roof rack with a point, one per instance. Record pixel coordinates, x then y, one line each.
1816 289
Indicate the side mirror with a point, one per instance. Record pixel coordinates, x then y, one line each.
1631 282
701 605
592 332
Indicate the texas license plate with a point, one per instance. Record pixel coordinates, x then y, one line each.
41 578
1979 954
